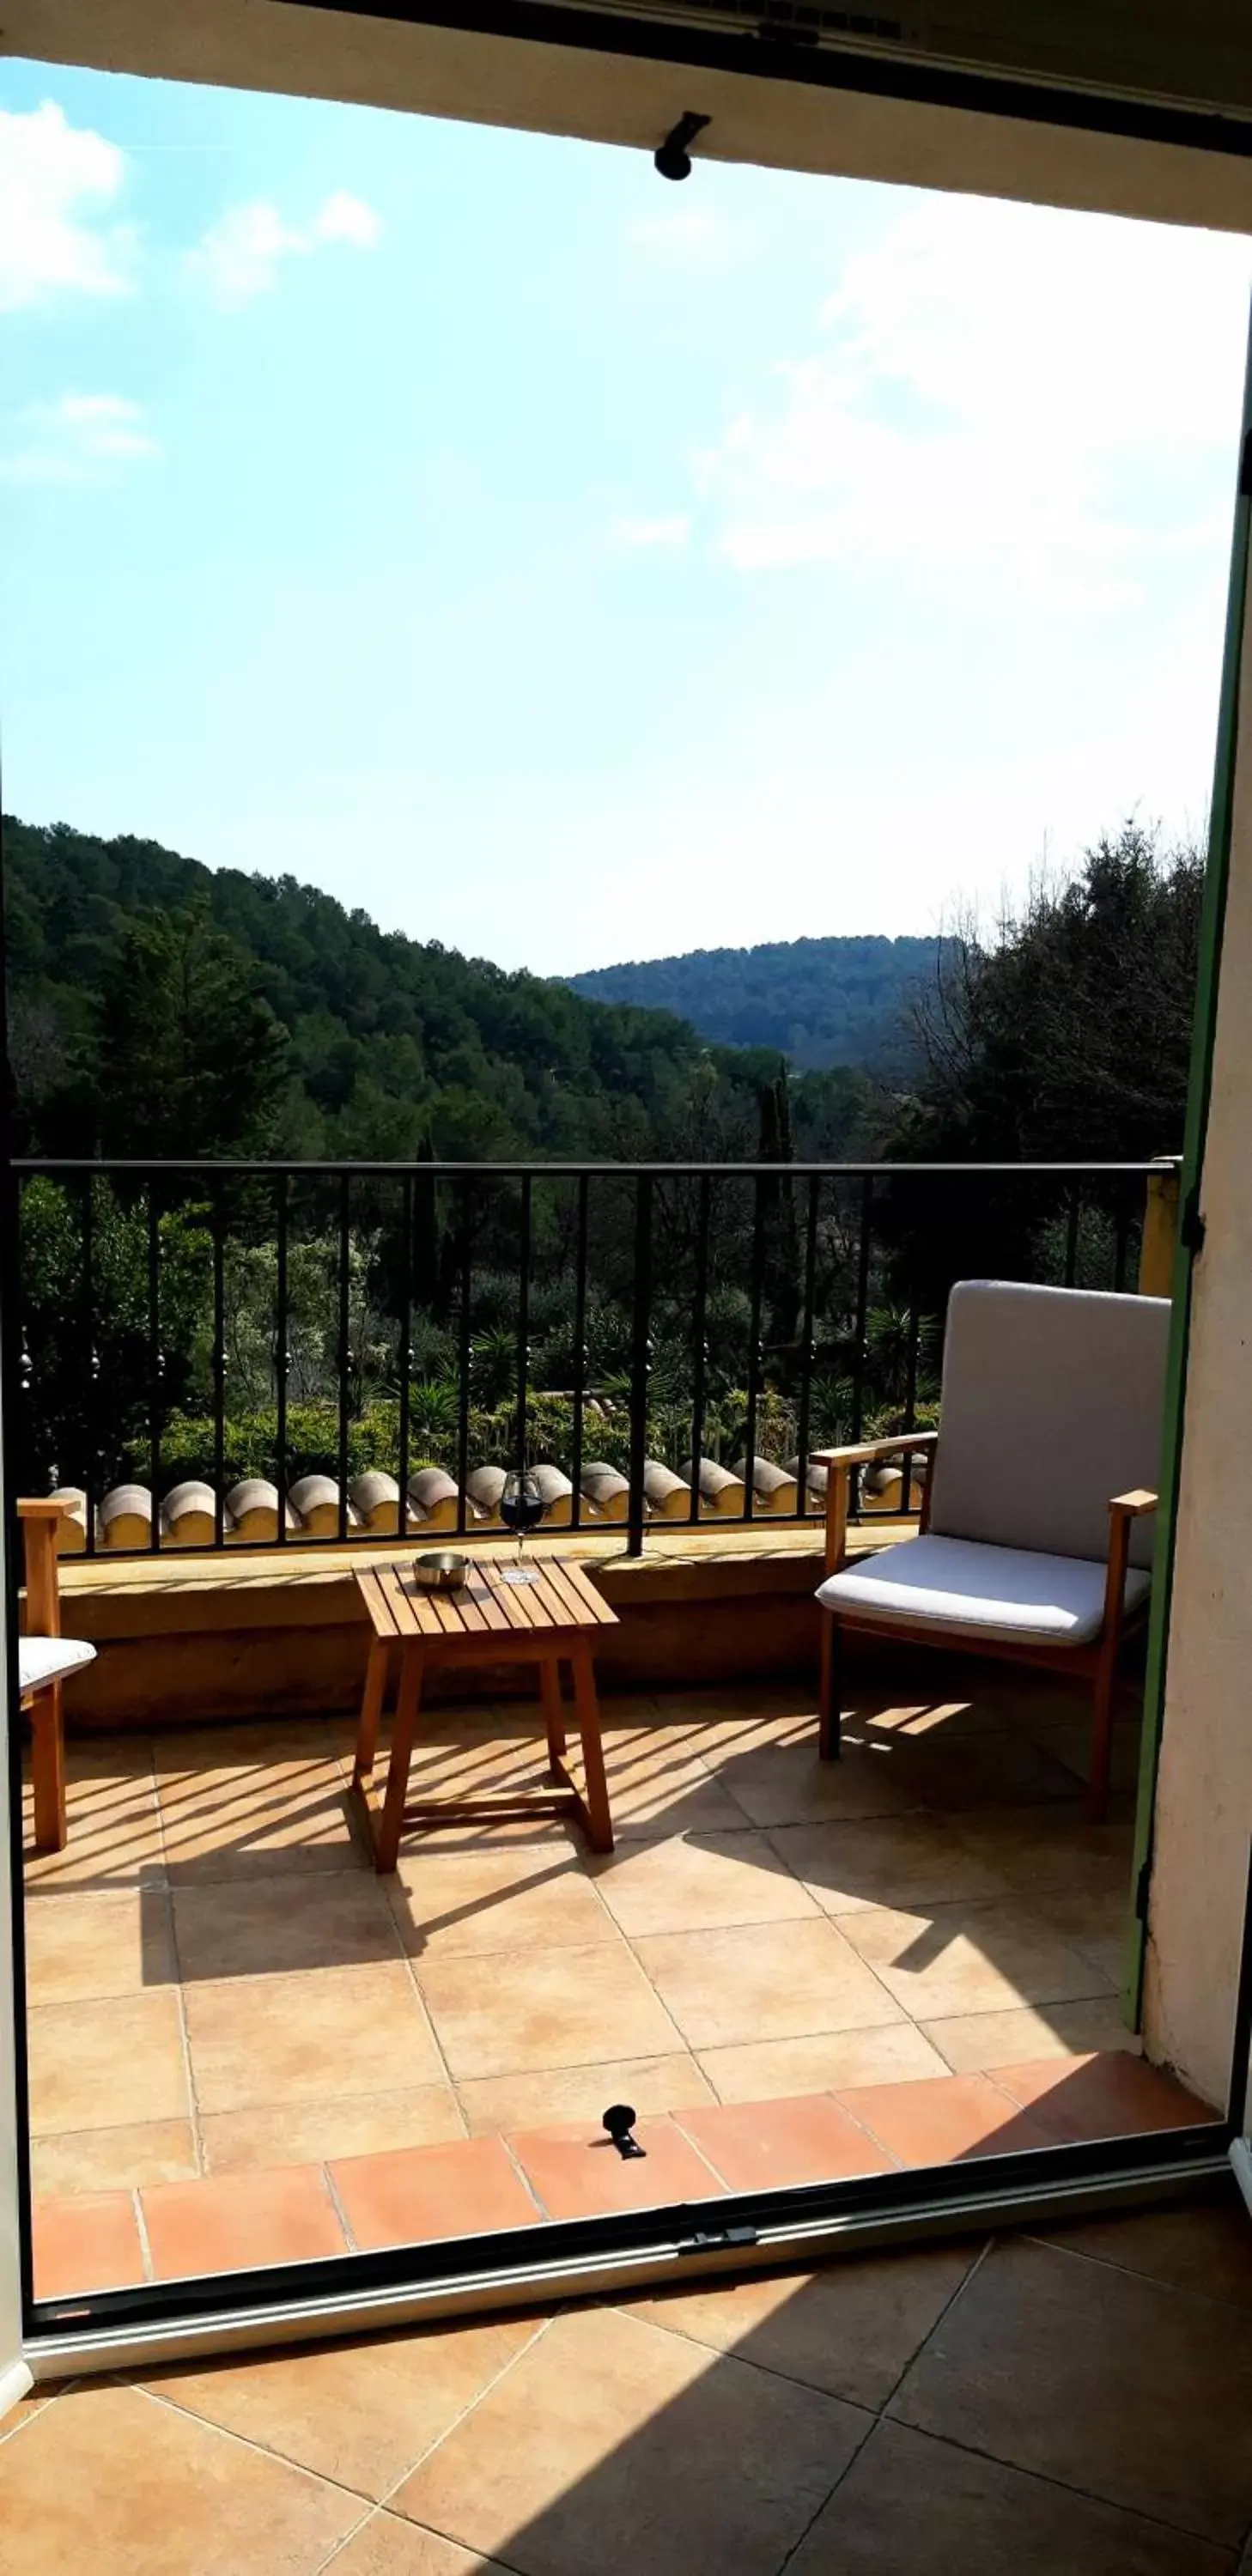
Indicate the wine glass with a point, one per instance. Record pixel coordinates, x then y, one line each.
521 1509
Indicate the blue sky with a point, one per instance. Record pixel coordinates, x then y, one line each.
571 567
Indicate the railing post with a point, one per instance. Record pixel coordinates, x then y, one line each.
641 1360
1160 1228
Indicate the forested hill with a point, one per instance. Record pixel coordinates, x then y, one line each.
817 1001
161 1007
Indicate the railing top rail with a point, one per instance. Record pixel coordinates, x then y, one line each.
82 1168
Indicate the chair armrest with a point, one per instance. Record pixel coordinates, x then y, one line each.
862 1453
39 1546
1132 1506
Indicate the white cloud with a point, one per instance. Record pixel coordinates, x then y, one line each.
1000 391
54 179
83 438
653 532
345 218
240 256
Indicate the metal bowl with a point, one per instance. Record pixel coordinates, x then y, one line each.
442 1571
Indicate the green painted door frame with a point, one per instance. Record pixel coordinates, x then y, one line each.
1190 1230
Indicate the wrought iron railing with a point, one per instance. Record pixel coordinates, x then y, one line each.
257 1353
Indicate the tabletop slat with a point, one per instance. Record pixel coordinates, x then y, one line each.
560 1597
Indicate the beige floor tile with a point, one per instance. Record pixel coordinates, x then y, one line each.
361 2412
945 1960
1100 2381
107 2065
283 1926
195 1760
114 2159
768 2070
784 1782
764 1981
79 1947
698 1885
363 2124
1198 2247
113 1821
652 2084
112 2480
385 2546
551 2008
279 2040
607 2427
973 2041
252 1823
910 2503
1068 1740
517 1896
887 1860
659 1785
1051 1849
852 2328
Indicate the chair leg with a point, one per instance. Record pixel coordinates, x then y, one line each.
828 1729
47 1769
1102 1733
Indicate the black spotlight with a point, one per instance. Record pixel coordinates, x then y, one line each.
673 160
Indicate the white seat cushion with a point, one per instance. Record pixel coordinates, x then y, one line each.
963 1586
48 1659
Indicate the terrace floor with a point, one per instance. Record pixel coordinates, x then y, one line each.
247 2047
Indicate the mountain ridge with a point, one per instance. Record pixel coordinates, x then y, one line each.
840 999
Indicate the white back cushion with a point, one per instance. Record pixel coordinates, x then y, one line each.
1052 1403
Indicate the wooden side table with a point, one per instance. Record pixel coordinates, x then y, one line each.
551 1620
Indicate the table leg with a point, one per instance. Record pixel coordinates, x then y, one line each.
587 1711
554 1712
387 1844
371 1710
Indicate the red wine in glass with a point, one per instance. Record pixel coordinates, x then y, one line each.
521 1509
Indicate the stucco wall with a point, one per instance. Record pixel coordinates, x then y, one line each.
1204 1808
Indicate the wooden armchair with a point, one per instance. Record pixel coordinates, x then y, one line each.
1035 1543
44 1661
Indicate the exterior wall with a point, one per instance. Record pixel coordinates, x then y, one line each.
1204 1803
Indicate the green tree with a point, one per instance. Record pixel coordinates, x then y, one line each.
191 1059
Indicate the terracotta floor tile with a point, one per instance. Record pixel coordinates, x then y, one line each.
940 1961
607 2427
406 2198
522 1895
114 2159
259 1823
265 2041
385 2546
360 2412
953 2115
79 1947
575 2171
764 1981
700 1885
755 2146
1205 2248
107 2065
229 2222
851 2328
549 2008
562 2093
910 2503
1104 2382
971 2042
765 2070
282 1926
88 2242
112 2480
1111 2096
785 1782
299 2133
888 1860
